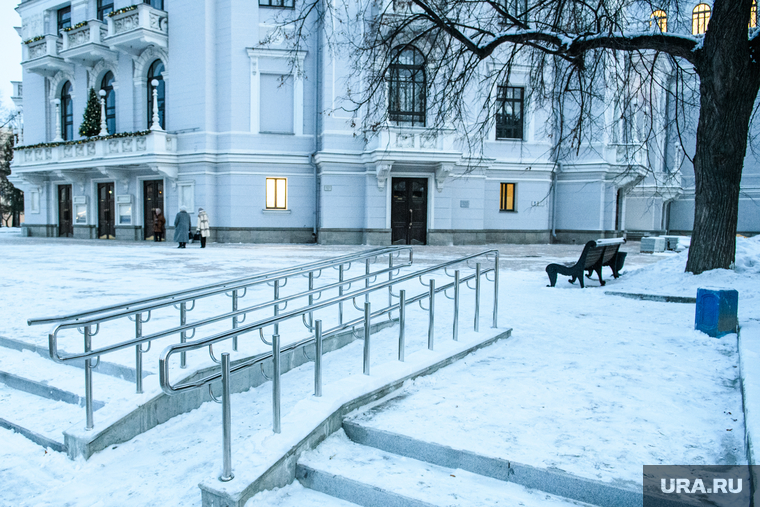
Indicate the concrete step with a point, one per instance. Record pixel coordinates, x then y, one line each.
373 478
295 495
551 481
105 367
39 419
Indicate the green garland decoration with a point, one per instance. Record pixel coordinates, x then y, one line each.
120 135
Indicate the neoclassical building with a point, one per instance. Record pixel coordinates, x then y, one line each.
198 111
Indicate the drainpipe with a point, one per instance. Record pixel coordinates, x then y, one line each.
554 200
318 119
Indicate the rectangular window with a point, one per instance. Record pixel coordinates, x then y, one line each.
507 197
277 193
509 112
104 8
186 195
276 104
156 4
288 4
64 18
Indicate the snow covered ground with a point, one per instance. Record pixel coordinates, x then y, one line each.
594 384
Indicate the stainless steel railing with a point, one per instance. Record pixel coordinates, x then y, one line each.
319 334
89 322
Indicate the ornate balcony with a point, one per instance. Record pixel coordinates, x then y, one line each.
155 149
413 139
42 56
86 43
135 28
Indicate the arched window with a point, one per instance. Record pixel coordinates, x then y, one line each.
700 17
67 113
661 18
753 15
155 72
107 86
408 88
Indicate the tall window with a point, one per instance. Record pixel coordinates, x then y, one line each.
104 7
155 72
277 193
67 113
408 88
507 197
753 15
278 3
107 85
509 112
156 4
700 17
659 17
64 18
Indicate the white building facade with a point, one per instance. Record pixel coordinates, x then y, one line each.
200 113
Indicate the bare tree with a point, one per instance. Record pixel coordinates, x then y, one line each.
639 57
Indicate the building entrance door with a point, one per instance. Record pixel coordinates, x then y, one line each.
106 214
409 211
65 218
153 197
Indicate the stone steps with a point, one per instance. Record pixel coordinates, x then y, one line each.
374 478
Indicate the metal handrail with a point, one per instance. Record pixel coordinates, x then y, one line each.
208 290
182 299
227 369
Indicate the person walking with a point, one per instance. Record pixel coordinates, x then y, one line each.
182 227
203 228
159 225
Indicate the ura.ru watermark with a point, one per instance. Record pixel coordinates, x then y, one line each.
695 485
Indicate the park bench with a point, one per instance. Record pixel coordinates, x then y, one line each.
595 255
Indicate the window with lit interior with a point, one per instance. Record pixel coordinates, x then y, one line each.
659 18
700 17
277 193
507 197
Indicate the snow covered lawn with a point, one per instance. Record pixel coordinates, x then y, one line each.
594 384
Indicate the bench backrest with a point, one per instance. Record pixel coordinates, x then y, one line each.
610 251
591 255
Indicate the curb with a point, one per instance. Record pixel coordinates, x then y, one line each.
34 437
44 390
653 297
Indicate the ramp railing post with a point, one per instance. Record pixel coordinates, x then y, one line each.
431 315
276 389
276 305
401 324
496 291
340 293
235 318
311 297
183 334
477 297
367 317
455 332
366 279
138 354
318 358
88 379
390 278
227 474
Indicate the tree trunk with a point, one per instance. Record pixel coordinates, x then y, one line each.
729 82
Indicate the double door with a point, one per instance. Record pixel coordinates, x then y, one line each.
409 211
65 214
106 211
153 198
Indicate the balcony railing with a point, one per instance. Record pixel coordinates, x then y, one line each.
413 139
42 56
87 43
135 29
136 149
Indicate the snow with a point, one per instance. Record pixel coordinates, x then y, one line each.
590 383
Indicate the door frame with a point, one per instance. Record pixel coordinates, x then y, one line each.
96 204
430 197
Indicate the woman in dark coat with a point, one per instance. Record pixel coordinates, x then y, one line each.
159 225
182 227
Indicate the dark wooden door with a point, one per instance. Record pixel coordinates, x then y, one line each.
106 214
409 211
65 215
153 197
